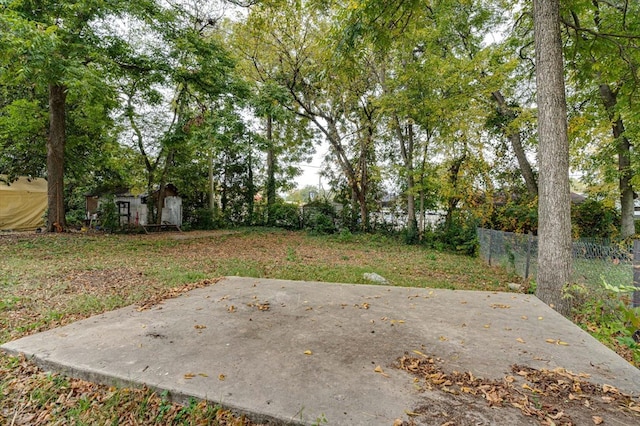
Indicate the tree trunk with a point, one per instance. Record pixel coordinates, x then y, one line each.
554 206
212 187
516 144
610 99
162 186
271 171
406 151
454 199
55 158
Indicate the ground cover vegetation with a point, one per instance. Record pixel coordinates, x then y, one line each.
53 279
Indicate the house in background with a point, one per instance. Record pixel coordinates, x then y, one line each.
133 210
22 204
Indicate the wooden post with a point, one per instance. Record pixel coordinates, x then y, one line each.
636 273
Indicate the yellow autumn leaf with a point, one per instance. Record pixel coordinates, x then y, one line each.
524 317
520 339
550 341
307 352
221 377
189 376
597 420
417 352
560 342
378 369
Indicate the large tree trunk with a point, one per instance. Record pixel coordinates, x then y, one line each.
55 158
610 99
554 206
516 144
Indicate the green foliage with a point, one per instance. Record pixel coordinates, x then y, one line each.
284 215
203 218
595 219
459 235
319 217
515 216
108 214
605 312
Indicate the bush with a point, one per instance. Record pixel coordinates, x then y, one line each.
108 214
459 234
515 216
319 217
593 219
203 218
283 215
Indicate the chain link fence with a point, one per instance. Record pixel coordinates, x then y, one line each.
592 262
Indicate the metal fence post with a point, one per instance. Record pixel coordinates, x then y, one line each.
526 268
636 273
490 244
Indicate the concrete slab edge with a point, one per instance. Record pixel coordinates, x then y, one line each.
174 395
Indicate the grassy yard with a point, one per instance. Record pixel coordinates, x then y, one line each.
48 280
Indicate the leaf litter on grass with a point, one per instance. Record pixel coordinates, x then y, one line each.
30 396
73 276
552 397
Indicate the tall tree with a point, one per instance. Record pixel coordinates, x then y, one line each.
55 46
554 206
287 44
603 44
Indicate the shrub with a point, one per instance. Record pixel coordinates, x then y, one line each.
320 217
284 215
594 219
459 234
203 218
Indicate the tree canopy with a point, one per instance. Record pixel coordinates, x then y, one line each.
425 108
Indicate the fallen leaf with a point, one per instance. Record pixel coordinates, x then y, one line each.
609 389
520 339
397 422
524 317
597 420
221 377
378 369
307 352
540 318
417 352
556 416
550 341
189 376
560 342
443 338
487 326
500 305
199 326
231 309
203 375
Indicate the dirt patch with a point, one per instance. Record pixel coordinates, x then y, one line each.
548 397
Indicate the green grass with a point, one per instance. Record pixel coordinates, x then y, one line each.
50 280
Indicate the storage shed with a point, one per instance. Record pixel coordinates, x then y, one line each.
22 203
